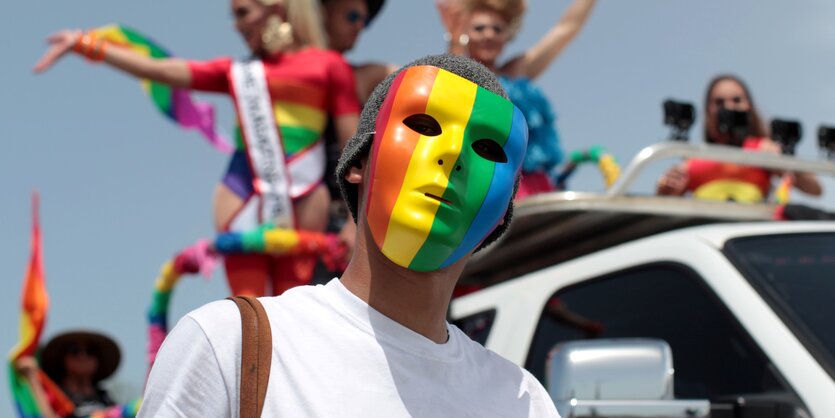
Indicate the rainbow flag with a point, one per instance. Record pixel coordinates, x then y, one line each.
174 103
784 189
35 304
119 411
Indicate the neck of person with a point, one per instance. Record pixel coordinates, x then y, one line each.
79 385
491 65
417 300
263 54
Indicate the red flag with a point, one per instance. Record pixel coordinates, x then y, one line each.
34 300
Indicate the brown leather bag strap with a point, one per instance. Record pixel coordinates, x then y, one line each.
256 355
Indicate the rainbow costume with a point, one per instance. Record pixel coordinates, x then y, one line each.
282 105
544 155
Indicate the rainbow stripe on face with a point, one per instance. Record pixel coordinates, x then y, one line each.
412 229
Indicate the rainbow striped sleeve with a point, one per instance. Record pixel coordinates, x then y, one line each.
174 103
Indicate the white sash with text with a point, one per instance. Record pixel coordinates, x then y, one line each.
271 180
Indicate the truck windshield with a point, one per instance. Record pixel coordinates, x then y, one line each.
795 274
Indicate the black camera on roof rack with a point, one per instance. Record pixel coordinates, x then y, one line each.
736 124
680 117
787 133
826 140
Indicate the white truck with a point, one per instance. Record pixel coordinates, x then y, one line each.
644 306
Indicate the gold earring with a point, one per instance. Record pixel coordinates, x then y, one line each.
277 34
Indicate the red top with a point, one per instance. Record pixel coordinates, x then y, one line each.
306 87
714 180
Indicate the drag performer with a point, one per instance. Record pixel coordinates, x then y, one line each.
480 29
283 97
344 21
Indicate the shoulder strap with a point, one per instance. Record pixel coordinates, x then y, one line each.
256 354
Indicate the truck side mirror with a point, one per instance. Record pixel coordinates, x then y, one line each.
617 377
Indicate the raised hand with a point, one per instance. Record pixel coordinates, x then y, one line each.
767 145
27 366
60 43
451 12
673 182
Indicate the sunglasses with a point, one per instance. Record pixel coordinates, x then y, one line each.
497 29
78 349
353 17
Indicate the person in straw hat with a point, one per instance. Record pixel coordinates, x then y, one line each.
78 361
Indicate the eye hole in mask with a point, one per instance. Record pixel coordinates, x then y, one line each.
423 124
490 150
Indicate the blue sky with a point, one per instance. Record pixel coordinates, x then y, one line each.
122 189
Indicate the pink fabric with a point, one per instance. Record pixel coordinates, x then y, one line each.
199 116
156 334
197 258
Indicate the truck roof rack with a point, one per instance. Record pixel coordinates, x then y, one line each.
722 153
555 227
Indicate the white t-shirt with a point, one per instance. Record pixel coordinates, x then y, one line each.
335 356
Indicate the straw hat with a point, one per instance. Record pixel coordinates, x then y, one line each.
104 349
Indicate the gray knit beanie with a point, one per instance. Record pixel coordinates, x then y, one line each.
360 144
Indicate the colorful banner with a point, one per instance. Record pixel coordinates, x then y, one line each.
175 103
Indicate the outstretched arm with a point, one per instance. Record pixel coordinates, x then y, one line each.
536 59
174 72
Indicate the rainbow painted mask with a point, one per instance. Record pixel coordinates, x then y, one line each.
443 165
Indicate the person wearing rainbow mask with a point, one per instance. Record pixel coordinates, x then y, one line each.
429 179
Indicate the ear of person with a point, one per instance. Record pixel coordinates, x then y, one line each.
355 173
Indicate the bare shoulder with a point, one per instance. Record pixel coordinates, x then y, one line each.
513 68
368 75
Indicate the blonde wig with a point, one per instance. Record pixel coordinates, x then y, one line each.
510 10
306 20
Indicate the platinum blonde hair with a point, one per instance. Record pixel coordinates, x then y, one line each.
305 17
